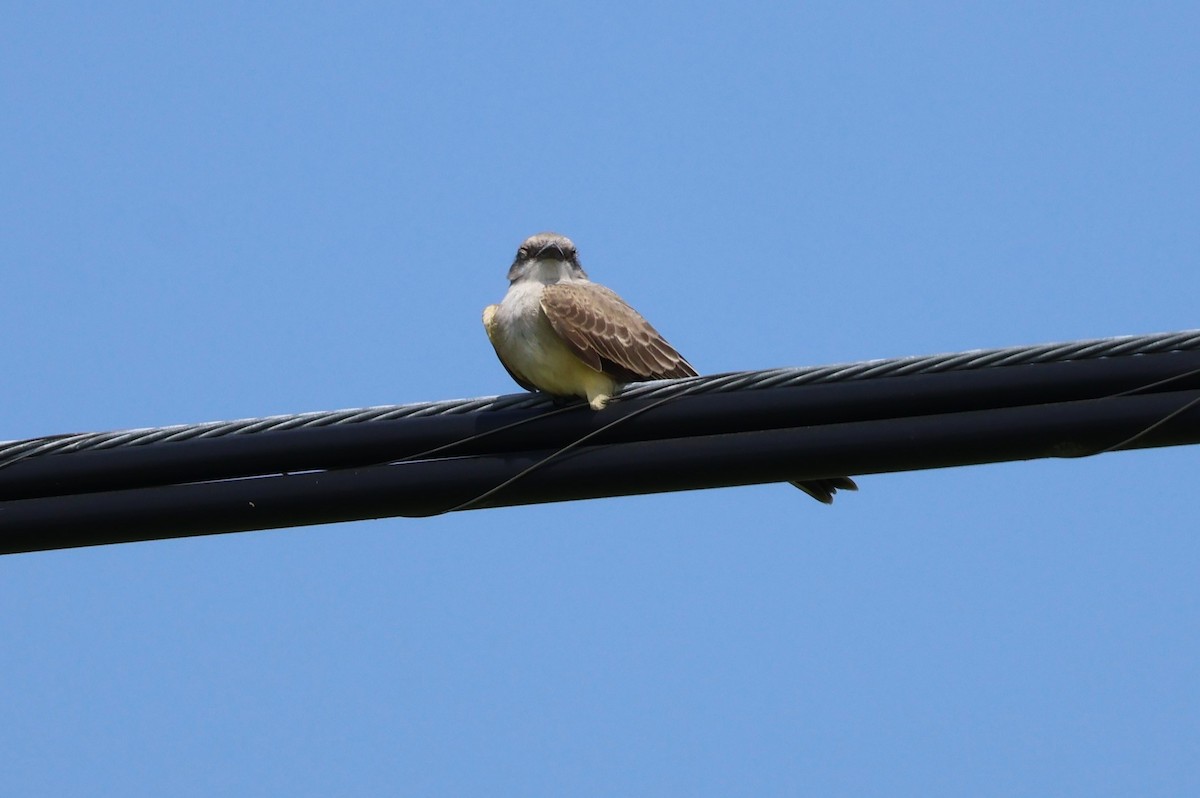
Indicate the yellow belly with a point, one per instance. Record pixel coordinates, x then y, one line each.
531 349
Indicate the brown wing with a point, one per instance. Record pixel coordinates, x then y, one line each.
608 335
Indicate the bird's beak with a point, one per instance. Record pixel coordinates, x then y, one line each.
542 253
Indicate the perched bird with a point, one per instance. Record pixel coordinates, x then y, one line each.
557 331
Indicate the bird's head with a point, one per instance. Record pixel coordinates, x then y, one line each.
547 258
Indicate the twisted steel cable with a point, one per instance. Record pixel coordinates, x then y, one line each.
1184 341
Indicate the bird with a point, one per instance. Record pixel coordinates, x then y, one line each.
558 332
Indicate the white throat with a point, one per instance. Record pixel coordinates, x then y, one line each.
547 271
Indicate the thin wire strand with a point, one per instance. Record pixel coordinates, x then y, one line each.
1158 384
1152 427
477 436
575 444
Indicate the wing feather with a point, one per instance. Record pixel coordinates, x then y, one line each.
606 333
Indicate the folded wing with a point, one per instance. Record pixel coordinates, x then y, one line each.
604 332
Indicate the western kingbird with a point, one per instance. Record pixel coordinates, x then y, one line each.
557 331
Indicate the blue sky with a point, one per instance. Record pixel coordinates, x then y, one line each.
239 210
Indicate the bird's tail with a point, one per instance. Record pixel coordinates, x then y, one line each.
823 489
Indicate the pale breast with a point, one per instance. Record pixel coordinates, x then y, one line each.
531 348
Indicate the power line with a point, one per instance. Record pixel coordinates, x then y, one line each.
1056 400
1185 341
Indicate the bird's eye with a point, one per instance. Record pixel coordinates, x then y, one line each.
523 252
